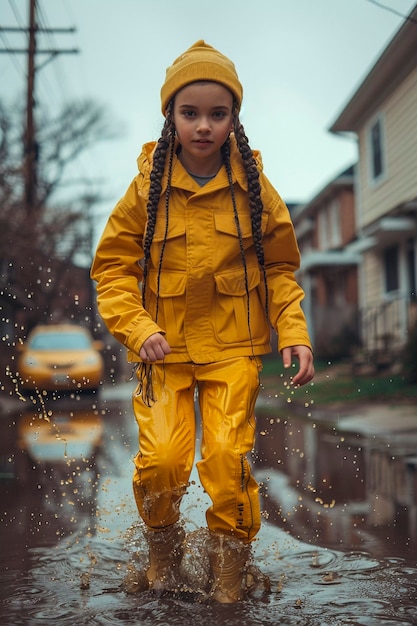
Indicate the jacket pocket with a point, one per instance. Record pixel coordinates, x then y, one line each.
169 292
228 248
176 228
171 243
239 314
169 284
225 223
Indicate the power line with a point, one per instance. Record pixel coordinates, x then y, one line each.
15 62
45 25
16 13
391 10
18 18
30 144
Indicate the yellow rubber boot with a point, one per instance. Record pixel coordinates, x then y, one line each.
228 561
165 554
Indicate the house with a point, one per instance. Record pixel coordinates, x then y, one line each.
382 114
325 228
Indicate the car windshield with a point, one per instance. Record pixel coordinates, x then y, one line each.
60 341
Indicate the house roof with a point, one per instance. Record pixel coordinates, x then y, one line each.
395 63
344 180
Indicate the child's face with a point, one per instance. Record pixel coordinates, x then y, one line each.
203 120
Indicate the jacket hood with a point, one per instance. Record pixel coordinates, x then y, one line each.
145 160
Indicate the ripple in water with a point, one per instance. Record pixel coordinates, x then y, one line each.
83 582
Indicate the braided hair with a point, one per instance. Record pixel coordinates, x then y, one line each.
164 147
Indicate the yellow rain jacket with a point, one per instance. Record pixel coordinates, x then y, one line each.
203 308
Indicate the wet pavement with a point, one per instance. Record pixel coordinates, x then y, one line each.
337 540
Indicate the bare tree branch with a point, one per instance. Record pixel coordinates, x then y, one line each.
38 249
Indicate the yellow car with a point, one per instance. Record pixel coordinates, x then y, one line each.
60 357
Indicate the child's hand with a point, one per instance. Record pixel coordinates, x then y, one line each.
154 348
305 357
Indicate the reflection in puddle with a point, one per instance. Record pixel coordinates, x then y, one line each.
70 534
339 488
60 436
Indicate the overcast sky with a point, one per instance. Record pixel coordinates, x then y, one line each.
299 61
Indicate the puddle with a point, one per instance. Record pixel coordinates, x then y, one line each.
67 545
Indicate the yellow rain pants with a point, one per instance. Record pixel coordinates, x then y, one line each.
227 391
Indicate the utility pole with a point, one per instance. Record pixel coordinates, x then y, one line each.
30 147
30 151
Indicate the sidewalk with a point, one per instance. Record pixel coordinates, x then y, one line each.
380 419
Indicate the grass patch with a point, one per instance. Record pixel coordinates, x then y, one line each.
340 387
365 389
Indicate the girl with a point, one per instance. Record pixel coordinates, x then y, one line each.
195 264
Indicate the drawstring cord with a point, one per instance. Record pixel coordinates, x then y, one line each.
144 389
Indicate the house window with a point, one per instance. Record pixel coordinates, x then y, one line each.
329 225
391 269
377 151
334 223
322 228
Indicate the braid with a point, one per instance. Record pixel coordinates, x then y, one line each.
226 161
255 200
165 141
167 194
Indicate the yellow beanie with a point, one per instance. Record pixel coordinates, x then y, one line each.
200 62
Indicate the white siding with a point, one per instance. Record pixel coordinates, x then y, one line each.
400 184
